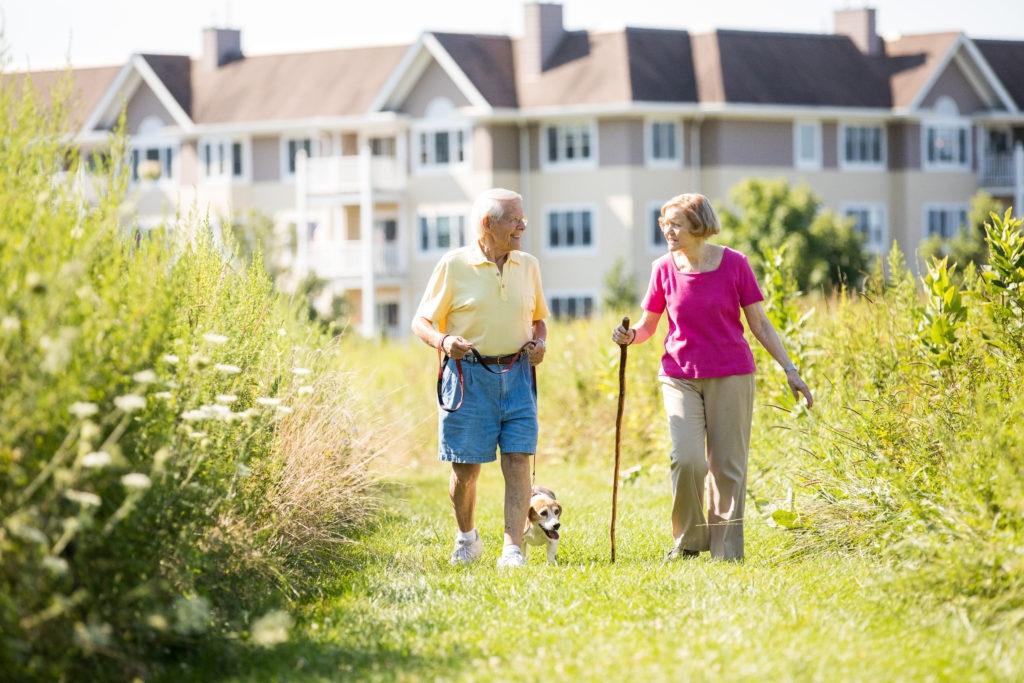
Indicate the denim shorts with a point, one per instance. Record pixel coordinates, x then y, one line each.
498 411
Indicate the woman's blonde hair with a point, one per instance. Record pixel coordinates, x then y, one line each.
698 210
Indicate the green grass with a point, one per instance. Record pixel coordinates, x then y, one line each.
401 612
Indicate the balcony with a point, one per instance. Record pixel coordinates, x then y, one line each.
1002 171
342 174
332 260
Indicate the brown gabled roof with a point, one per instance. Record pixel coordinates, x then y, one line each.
85 87
585 68
292 86
911 60
174 71
1006 57
488 63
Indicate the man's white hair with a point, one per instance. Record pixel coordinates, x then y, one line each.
490 203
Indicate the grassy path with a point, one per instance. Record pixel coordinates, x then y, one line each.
402 613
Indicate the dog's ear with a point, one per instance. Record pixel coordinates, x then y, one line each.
533 516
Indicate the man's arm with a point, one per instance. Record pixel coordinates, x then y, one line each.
454 346
538 345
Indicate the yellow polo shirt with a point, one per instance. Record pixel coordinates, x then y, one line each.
468 296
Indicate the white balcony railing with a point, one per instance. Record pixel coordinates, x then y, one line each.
342 174
344 258
997 170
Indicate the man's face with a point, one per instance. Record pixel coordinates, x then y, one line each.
507 231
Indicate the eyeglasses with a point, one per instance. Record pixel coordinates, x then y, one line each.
517 220
666 224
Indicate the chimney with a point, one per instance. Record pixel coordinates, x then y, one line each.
220 46
859 26
542 32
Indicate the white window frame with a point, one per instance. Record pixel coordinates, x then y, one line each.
883 147
316 150
581 250
651 161
658 246
574 294
431 129
561 126
814 164
227 142
928 207
431 213
882 212
957 124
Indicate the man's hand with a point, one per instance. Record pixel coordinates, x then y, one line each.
456 347
535 351
798 387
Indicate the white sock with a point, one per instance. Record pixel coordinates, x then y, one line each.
470 535
509 547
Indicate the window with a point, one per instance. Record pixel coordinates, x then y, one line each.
570 228
569 144
387 314
944 220
291 146
152 163
947 145
664 143
382 147
572 306
441 232
862 147
869 220
656 239
807 144
221 159
441 148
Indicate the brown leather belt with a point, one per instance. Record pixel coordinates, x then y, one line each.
497 360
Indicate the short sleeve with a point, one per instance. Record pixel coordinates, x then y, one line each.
540 306
746 284
654 300
437 298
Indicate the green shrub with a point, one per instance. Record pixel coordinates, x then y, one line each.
176 455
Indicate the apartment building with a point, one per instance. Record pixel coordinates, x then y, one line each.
371 157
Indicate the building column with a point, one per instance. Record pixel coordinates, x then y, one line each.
1018 180
301 219
366 237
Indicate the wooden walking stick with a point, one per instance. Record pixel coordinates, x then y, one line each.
618 432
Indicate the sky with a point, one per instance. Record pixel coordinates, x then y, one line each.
41 34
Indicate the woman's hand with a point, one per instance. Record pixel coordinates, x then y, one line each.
622 336
535 351
798 386
456 347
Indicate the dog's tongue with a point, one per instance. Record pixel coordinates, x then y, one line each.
551 533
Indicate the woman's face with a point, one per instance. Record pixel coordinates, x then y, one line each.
678 230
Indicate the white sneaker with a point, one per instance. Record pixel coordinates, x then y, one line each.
511 556
466 550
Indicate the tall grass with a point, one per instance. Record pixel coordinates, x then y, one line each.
176 454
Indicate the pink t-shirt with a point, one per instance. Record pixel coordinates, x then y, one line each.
705 335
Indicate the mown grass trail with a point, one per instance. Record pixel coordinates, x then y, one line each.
402 613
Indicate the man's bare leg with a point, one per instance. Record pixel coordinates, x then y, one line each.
462 489
516 469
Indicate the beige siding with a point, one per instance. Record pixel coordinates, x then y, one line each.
434 82
620 142
266 159
505 146
747 143
952 83
142 105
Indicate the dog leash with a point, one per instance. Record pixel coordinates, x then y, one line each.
443 360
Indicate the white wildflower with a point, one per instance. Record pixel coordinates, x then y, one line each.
191 615
96 459
83 498
171 384
195 415
136 481
130 402
243 470
268 401
82 409
157 621
199 360
245 414
214 338
226 398
90 430
92 636
163 395
301 372
272 628
171 359
30 534
10 324
305 389
197 435
284 410
56 565
227 369
144 377
281 332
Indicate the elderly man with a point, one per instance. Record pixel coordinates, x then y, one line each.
484 306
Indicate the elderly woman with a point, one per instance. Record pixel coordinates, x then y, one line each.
707 373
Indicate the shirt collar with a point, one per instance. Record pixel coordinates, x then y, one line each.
478 258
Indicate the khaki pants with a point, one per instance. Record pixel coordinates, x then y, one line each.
718 409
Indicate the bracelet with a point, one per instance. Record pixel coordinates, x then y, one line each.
789 368
440 344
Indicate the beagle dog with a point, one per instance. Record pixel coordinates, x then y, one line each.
542 522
